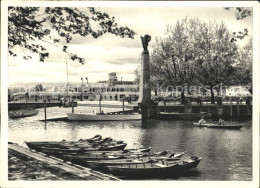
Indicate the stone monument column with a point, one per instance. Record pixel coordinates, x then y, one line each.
145 88
148 107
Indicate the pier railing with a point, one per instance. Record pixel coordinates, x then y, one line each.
33 100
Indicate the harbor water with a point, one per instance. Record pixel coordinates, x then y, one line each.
226 154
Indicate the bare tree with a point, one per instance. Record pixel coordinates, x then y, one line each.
173 56
216 55
243 67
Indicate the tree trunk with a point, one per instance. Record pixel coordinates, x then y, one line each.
155 92
212 96
182 98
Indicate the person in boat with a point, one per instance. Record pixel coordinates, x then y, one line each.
221 122
102 112
202 121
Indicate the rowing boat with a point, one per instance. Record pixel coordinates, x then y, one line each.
162 168
78 150
103 117
216 126
92 142
65 143
102 164
23 113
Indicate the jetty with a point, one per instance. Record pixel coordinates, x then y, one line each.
58 164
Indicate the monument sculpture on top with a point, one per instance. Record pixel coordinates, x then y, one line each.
145 40
145 103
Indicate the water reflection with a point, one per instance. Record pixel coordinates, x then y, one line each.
226 154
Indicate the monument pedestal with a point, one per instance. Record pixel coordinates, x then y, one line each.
188 107
219 106
148 109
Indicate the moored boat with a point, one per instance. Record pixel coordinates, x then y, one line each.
96 138
23 113
137 150
102 164
92 142
76 149
162 168
103 117
210 125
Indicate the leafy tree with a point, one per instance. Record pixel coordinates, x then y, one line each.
195 52
29 27
240 14
216 55
245 59
172 59
243 67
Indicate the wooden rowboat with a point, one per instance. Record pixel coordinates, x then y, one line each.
65 150
22 113
92 142
102 164
103 117
216 126
162 168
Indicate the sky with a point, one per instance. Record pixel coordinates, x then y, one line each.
110 53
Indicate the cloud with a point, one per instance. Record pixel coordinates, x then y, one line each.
110 53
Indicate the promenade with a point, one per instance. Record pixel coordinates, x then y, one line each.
47 167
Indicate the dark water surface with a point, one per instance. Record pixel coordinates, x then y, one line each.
226 154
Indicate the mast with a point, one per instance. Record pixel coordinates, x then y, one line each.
123 105
67 78
100 103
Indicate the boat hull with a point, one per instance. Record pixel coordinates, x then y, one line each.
102 165
216 126
22 113
53 148
109 117
152 169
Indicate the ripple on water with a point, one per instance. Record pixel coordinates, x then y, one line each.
226 154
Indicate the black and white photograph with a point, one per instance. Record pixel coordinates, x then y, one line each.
164 92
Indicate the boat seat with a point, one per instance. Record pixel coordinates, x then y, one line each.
160 165
111 157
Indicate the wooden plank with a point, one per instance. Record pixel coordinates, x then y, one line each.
77 170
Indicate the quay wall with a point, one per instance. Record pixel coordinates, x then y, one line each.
225 110
235 111
18 106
